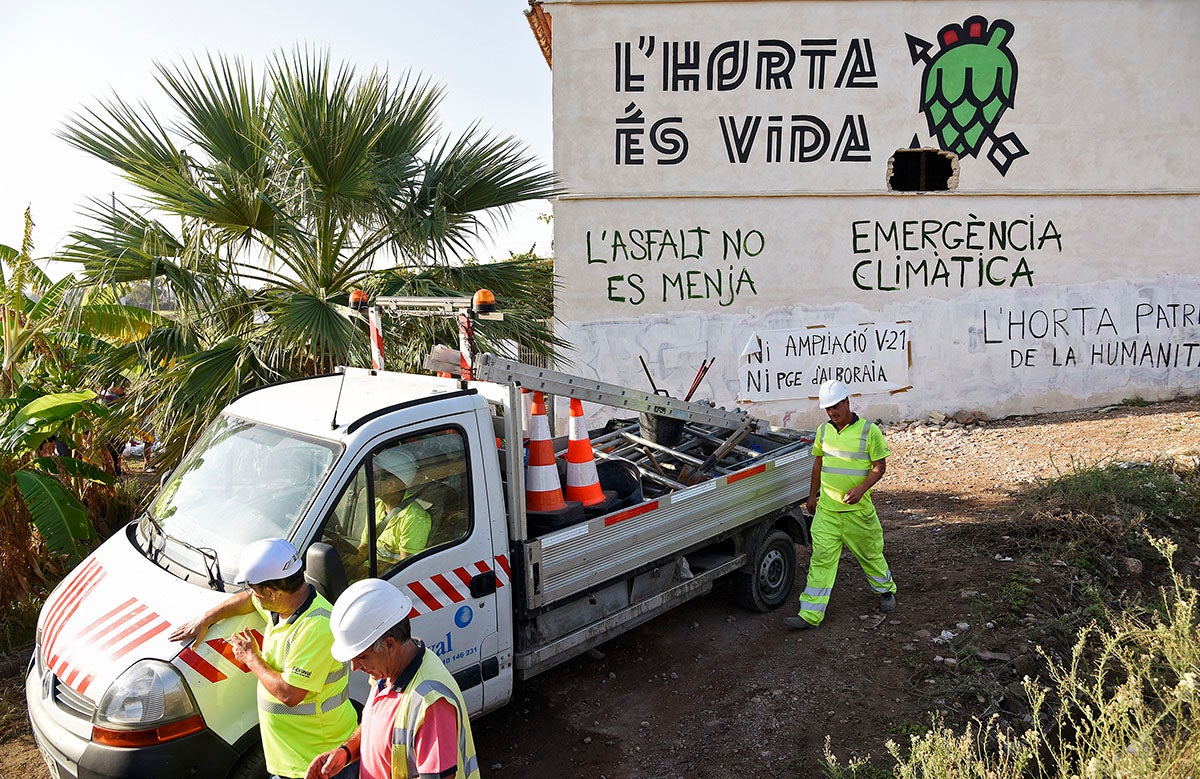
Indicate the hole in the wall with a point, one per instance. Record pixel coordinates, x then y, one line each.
922 170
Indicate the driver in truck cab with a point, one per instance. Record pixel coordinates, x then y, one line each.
304 705
402 522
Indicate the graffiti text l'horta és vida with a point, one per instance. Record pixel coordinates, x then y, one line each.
967 86
675 264
957 253
789 134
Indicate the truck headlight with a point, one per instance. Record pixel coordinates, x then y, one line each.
148 704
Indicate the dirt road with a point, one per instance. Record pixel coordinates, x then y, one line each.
711 690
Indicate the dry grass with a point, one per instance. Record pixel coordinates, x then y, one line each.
13 722
1125 702
1093 516
1124 699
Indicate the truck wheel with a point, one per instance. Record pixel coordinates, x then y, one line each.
772 572
252 765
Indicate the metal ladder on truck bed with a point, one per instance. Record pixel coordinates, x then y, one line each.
709 440
489 367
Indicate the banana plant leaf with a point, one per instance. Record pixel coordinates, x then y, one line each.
37 420
72 467
57 514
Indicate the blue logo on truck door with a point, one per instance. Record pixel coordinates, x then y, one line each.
463 616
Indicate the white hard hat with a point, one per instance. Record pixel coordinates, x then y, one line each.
362 614
397 462
832 392
270 558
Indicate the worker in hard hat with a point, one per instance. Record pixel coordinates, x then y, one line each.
851 457
304 705
402 522
415 720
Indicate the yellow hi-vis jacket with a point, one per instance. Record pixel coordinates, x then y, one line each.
431 683
846 458
299 648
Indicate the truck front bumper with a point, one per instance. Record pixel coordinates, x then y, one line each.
68 755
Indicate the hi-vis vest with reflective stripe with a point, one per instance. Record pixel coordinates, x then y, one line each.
431 683
293 735
333 694
844 465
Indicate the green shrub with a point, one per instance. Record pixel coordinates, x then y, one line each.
1094 514
1126 703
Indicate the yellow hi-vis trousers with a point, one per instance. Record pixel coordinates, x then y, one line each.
858 530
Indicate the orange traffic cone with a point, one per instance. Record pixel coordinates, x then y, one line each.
583 483
542 490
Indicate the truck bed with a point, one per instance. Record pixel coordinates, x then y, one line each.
700 478
684 508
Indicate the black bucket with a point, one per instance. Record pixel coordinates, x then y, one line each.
664 431
611 503
623 478
542 522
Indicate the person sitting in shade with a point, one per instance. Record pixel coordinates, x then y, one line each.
402 522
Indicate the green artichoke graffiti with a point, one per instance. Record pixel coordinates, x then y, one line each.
967 86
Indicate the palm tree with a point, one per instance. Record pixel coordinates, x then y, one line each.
288 191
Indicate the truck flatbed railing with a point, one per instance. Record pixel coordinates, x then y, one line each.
705 473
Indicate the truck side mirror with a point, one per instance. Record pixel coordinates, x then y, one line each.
323 568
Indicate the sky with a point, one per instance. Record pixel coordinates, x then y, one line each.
59 56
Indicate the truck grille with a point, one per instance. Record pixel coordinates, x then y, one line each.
71 701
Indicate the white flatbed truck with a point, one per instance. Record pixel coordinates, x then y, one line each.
499 593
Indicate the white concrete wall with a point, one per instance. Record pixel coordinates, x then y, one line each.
1106 104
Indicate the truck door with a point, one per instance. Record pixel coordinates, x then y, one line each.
410 515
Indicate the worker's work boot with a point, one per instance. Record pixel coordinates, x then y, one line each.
798 623
887 602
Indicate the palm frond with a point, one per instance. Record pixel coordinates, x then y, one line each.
475 175
325 329
137 144
331 121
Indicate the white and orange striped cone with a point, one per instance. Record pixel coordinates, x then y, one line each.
542 489
583 483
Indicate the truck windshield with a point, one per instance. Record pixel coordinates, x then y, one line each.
242 481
